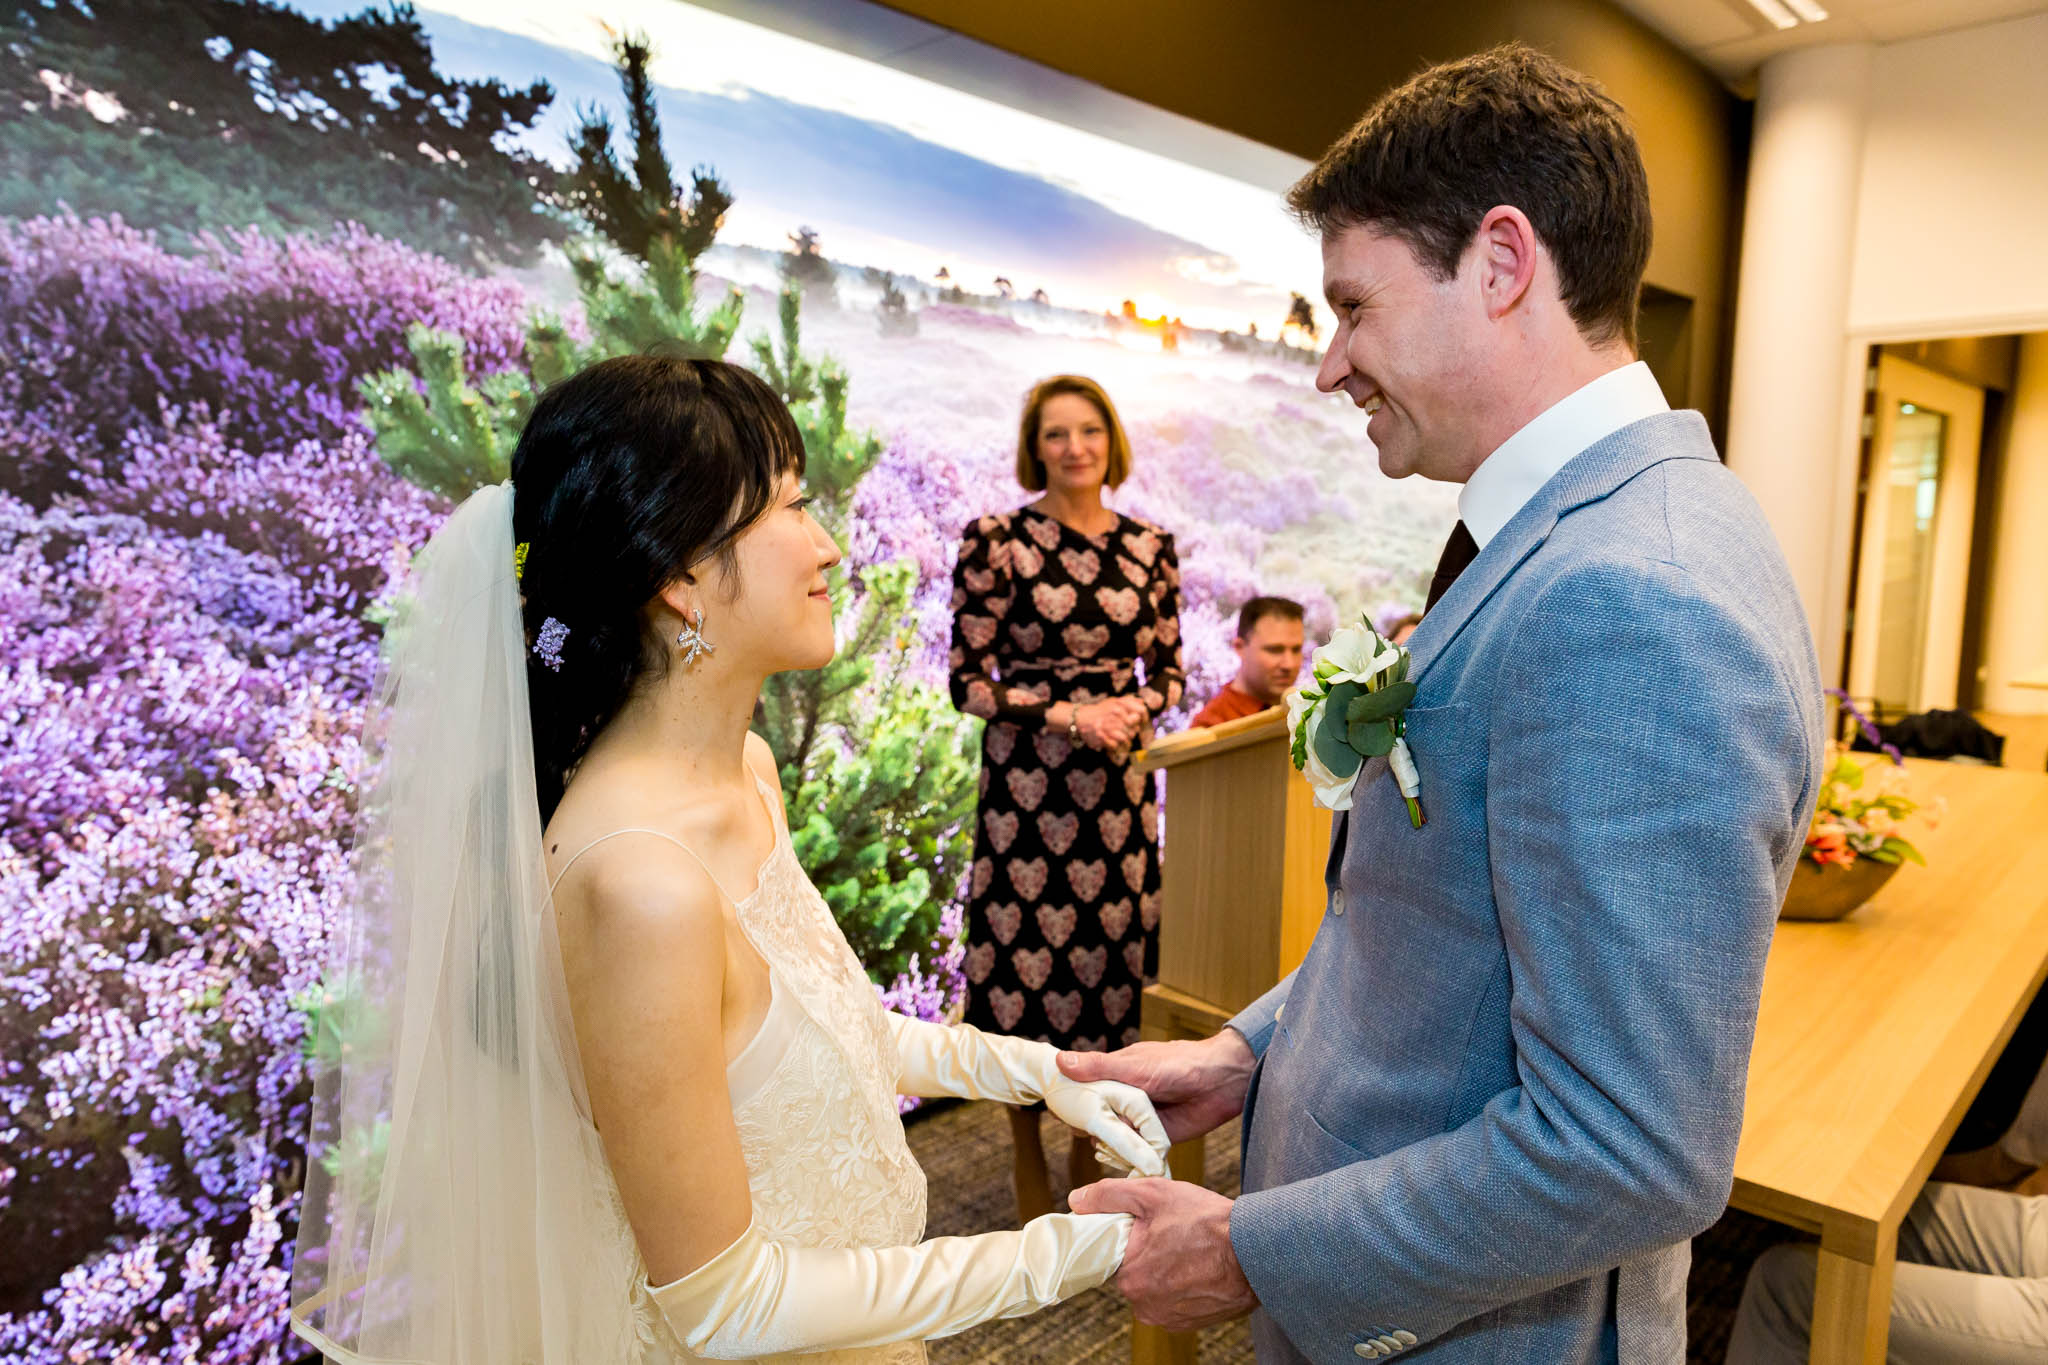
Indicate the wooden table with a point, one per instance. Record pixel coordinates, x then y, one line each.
1876 1032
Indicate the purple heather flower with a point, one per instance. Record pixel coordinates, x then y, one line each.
548 647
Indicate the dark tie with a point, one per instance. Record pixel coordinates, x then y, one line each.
1459 551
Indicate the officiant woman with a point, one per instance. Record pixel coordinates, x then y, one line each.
1066 640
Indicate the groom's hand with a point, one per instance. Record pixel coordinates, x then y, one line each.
1179 1271
1193 1085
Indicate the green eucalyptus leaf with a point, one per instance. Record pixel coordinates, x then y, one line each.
1339 757
1381 705
1338 703
1373 738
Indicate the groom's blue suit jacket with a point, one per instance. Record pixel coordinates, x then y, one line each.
1504 1088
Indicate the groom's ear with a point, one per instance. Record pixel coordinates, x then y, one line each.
1507 248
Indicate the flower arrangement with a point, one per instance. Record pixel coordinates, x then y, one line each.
1353 707
1859 814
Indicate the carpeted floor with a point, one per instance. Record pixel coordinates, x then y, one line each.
965 1149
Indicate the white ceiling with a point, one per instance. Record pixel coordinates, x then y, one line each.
1733 39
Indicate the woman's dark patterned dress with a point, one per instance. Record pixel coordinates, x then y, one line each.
1063 915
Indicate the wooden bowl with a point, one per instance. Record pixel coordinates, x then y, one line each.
1828 893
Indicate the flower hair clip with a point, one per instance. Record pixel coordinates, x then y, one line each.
548 647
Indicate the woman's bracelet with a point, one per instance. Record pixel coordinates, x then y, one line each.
1074 724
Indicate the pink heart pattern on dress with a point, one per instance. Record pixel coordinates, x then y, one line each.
1132 571
1134 957
979 630
1062 1009
981 959
1057 923
1081 564
1028 877
1143 545
1002 828
1055 601
1025 562
1168 631
1115 826
1022 696
1084 642
1116 1003
1004 920
981 700
1148 910
1087 878
1059 832
1134 870
1144 638
1053 750
1131 1035
1135 783
1148 820
1099 1043
1034 967
1001 739
1119 604
1008 1007
1028 637
1115 917
979 580
1089 964
1044 530
1087 788
1027 786
984 873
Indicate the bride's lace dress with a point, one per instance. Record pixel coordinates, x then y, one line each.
814 1098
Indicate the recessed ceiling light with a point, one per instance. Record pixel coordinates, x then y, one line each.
1775 12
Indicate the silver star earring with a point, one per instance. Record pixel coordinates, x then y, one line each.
692 642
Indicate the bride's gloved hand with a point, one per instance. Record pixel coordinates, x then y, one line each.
760 1298
962 1060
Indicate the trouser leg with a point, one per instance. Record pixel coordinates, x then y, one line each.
1983 1300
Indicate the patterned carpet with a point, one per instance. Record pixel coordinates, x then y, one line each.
965 1149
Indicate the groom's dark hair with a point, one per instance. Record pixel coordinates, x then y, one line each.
1506 126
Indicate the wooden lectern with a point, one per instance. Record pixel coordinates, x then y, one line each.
1242 894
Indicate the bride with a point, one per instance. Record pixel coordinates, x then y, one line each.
612 1087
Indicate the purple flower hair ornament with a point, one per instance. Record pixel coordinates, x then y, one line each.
548 647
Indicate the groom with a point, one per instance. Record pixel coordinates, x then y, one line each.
1504 1089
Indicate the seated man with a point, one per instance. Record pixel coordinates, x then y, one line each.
1403 627
1970 1287
1268 646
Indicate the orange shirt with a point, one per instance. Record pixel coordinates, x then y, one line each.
1232 703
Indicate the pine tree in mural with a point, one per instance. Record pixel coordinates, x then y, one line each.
877 770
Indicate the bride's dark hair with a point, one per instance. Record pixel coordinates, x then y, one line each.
630 474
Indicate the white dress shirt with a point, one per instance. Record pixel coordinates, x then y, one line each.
1526 460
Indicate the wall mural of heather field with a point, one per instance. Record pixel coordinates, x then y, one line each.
277 286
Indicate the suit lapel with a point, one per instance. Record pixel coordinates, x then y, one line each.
1589 476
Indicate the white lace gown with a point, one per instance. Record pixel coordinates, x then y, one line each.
814 1099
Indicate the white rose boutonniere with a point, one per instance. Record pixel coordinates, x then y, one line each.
1353 708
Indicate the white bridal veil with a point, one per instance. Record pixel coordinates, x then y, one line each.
458 1207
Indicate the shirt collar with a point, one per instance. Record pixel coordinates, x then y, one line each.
1524 462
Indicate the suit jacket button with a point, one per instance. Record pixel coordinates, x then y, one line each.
1336 902
1388 1344
1370 1350
1405 1337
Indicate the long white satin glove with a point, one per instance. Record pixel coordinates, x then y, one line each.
962 1060
759 1297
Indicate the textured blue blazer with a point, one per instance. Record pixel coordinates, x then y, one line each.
1503 1090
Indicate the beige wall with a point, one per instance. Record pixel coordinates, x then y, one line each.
1936 183
1953 206
1296 75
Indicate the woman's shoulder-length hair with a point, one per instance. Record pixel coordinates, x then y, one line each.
1031 469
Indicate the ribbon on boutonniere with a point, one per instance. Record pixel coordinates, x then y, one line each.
1354 707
